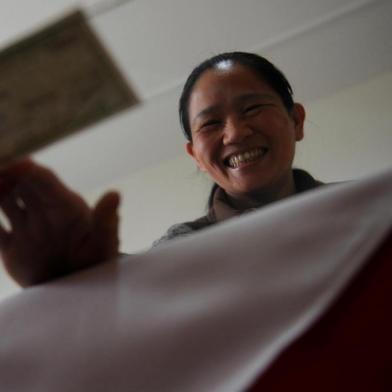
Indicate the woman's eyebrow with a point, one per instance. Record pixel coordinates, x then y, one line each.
249 96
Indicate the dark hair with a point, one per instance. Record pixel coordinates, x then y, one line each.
260 65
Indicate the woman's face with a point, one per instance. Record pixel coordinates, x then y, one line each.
242 134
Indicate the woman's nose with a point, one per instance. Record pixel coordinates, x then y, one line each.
235 131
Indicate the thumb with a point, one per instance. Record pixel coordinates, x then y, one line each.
105 223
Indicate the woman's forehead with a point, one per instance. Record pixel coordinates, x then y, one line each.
228 78
218 85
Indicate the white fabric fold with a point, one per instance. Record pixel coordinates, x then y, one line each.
205 313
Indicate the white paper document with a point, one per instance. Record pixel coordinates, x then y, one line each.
205 313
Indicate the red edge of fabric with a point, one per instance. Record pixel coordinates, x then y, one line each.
350 347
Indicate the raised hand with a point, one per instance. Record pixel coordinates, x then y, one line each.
53 231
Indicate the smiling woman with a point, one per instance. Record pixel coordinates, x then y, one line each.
242 126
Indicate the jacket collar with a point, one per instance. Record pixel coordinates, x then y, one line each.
220 208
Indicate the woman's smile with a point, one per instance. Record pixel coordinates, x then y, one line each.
245 158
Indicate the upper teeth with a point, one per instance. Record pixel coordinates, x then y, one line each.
236 160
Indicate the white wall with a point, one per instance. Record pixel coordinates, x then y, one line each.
157 197
347 135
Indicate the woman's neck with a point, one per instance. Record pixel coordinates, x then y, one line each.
262 197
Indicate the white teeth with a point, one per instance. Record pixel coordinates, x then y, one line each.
248 156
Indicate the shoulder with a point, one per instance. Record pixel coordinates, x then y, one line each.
182 229
304 181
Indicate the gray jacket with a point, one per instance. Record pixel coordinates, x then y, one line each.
219 209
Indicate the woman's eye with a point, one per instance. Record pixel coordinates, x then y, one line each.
253 108
209 124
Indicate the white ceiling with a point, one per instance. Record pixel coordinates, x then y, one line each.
321 45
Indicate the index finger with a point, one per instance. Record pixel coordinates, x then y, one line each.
16 168
11 174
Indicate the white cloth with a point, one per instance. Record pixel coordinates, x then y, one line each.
204 313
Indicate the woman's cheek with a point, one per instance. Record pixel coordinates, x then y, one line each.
277 121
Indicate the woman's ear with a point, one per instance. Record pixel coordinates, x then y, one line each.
189 149
298 114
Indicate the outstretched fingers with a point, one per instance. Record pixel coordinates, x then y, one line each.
46 188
